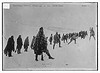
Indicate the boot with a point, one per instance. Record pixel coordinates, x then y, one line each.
9 55
42 58
47 52
51 57
36 57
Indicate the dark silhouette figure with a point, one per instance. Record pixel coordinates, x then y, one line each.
64 38
26 44
74 37
19 44
10 47
59 40
92 33
82 34
56 40
40 45
51 39
32 43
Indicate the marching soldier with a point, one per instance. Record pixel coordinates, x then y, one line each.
50 39
56 40
74 37
40 45
19 44
26 44
92 33
32 43
10 47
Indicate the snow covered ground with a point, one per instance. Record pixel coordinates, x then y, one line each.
78 56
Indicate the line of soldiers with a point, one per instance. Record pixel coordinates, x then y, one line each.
70 36
39 45
39 42
11 45
56 39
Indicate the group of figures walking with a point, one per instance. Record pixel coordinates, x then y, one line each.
56 39
39 42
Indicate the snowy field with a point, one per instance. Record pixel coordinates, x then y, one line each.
78 56
69 18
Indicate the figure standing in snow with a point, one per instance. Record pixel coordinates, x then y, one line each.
59 40
19 44
64 38
26 44
74 37
56 40
50 39
82 34
92 33
10 47
32 43
40 45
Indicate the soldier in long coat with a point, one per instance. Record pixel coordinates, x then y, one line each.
56 40
32 43
64 38
10 47
40 45
26 44
19 44
51 39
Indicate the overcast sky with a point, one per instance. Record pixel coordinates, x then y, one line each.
24 17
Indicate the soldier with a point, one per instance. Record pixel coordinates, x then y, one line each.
83 34
50 39
40 45
86 33
63 39
10 47
66 38
92 33
74 37
32 43
70 35
19 44
59 40
56 40
26 44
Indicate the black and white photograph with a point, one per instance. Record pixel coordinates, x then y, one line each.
49 36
